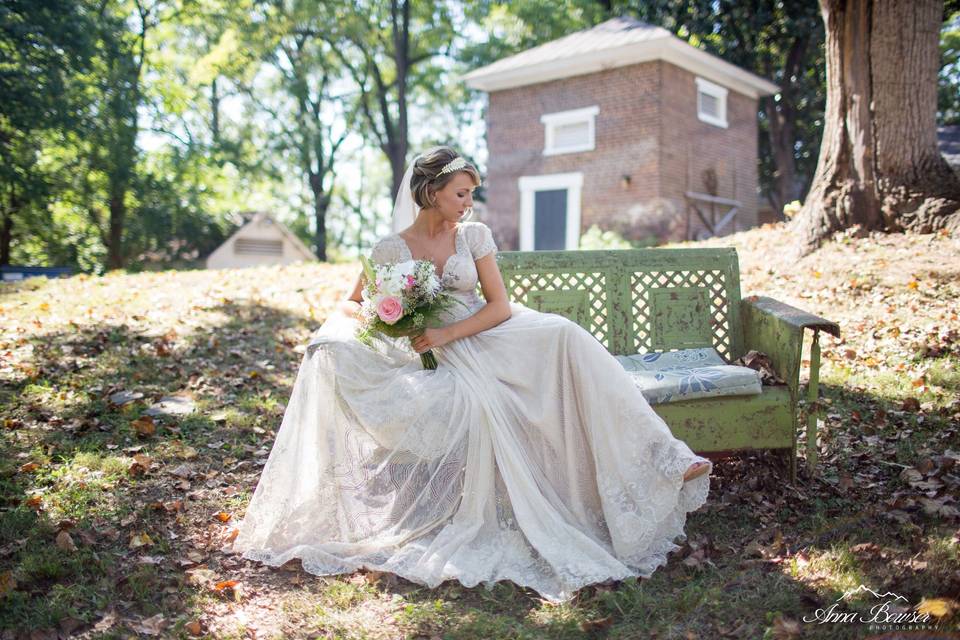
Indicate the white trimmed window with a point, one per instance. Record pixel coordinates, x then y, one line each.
569 131
711 103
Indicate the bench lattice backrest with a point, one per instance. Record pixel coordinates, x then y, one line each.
635 300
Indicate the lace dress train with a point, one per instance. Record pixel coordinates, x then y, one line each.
527 455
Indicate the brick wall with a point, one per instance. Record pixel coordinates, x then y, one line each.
646 128
691 147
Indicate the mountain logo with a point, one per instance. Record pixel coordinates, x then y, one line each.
862 588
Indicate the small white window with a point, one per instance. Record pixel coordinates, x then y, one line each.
569 131
711 103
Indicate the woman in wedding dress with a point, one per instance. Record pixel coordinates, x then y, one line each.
527 455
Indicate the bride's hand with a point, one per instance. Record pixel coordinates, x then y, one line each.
429 339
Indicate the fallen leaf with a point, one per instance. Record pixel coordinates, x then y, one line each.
144 426
64 542
784 628
141 464
937 607
140 540
200 576
152 626
7 583
229 588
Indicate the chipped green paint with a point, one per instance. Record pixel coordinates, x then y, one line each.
639 300
732 422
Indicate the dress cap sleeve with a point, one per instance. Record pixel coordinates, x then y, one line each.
386 250
480 239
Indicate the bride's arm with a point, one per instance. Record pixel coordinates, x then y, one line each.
491 314
351 305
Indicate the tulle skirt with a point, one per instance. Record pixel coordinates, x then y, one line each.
527 455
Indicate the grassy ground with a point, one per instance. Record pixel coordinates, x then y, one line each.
112 521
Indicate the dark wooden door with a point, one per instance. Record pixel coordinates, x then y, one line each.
550 219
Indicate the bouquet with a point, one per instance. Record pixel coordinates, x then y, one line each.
400 300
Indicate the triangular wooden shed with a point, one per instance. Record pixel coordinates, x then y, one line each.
261 240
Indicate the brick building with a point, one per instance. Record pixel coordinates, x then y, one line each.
622 125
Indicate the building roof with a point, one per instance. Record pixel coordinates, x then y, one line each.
617 42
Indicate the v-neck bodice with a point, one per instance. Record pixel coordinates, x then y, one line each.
458 275
443 269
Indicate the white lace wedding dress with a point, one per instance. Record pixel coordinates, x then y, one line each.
527 455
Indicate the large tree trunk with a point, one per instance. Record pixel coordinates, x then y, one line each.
321 202
118 213
879 164
6 229
6 238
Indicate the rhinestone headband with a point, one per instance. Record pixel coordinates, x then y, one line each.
453 165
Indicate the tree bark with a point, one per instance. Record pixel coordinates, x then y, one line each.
118 213
321 202
6 234
214 113
879 166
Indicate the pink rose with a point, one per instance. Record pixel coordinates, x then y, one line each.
390 309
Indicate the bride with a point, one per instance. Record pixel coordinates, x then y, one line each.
527 455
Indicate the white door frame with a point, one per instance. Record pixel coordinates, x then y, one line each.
529 185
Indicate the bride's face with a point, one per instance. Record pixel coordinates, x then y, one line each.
456 197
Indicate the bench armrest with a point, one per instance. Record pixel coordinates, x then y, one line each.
776 328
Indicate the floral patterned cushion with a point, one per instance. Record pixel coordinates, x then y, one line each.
671 376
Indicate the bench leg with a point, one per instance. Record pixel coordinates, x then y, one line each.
813 407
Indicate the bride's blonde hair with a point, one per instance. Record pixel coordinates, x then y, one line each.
424 181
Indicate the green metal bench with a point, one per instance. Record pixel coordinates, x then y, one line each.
643 300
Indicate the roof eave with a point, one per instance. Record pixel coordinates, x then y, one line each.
670 49
710 66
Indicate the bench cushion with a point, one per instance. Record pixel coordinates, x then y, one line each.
671 376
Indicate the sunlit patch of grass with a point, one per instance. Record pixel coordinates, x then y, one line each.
836 569
939 385
476 623
945 373
562 620
342 594
359 612
942 551
83 487
105 463
425 617
237 502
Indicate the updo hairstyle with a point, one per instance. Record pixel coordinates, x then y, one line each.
424 182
